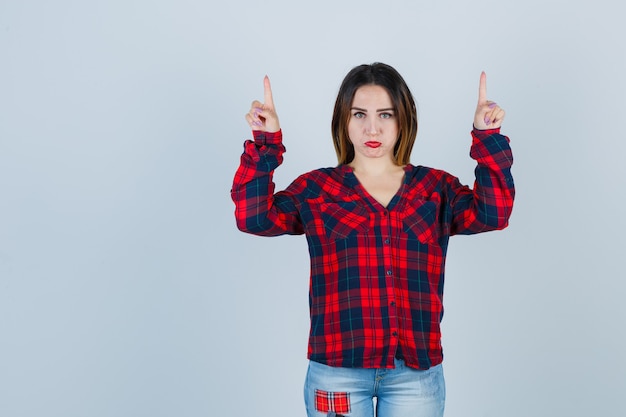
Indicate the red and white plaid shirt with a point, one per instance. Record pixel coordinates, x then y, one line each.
377 273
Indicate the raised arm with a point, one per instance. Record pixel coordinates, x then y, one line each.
488 205
258 210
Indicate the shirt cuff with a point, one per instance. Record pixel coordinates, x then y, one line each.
268 138
483 134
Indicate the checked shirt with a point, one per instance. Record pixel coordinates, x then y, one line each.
377 273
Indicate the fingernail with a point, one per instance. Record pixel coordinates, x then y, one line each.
492 105
258 109
487 121
256 123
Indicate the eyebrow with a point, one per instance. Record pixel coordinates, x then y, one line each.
378 110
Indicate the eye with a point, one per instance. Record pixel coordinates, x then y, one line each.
359 114
386 115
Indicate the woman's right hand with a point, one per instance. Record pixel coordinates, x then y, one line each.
262 116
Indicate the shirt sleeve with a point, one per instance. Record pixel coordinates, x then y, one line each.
258 210
488 205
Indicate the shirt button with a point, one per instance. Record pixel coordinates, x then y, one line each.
386 241
393 304
389 272
394 334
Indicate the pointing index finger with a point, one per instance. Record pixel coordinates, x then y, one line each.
482 89
267 88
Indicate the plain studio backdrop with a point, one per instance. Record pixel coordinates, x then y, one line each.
125 287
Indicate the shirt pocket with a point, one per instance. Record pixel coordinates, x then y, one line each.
344 219
420 221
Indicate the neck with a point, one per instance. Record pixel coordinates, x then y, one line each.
377 166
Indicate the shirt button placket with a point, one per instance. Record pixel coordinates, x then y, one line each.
389 274
386 242
392 309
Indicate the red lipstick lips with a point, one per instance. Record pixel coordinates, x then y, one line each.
373 144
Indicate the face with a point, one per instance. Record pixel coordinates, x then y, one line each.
373 125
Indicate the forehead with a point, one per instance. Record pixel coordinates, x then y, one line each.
371 95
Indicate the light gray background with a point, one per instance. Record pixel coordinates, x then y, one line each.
125 288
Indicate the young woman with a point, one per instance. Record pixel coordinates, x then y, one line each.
377 229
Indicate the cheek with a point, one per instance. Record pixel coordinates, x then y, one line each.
394 132
353 128
393 129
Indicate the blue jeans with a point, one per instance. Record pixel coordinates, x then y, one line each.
399 392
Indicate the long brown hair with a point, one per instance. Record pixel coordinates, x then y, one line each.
401 97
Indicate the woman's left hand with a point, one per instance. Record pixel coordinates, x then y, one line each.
488 114
262 116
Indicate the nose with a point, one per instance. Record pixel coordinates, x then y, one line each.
372 127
